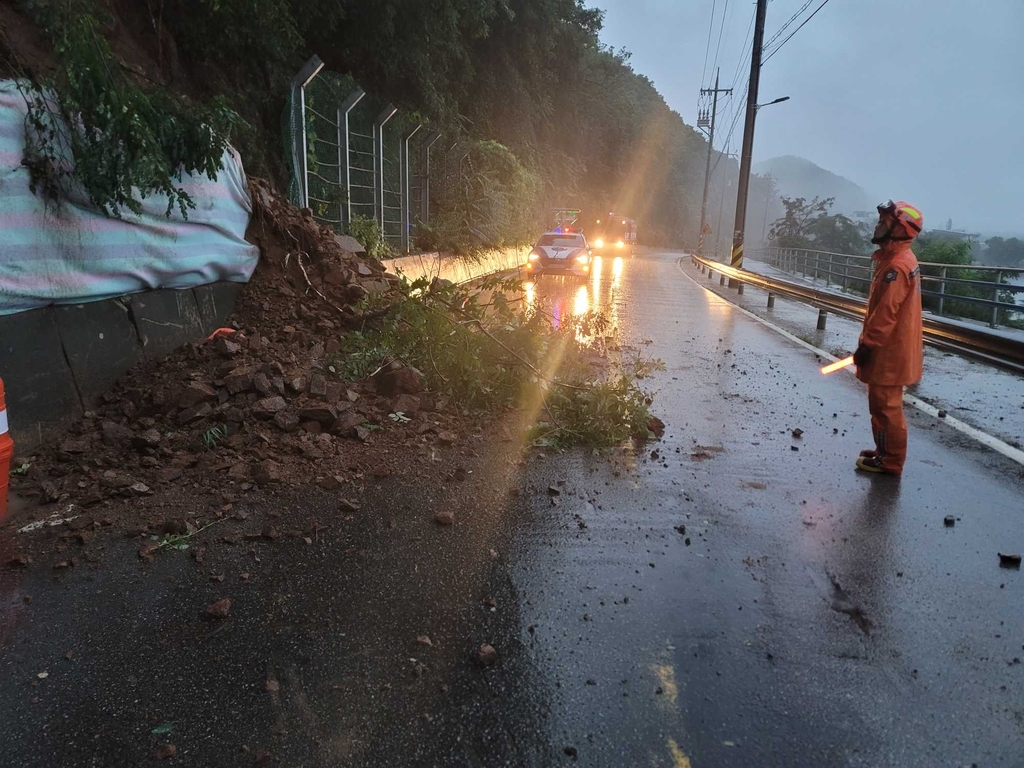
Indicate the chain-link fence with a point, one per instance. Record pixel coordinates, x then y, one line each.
361 165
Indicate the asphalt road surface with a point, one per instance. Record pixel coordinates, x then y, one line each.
729 596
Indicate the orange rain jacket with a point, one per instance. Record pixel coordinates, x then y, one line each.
892 326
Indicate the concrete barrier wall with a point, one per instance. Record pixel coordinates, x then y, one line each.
455 268
56 362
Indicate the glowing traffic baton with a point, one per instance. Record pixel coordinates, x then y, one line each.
846 362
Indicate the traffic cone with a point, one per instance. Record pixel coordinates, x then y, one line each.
6 453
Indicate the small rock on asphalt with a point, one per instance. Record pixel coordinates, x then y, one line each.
1009 560
444 518
487 655
571 751
798 433
219 609
165 751
950 521
424 640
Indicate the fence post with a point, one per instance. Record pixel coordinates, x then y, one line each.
828 272
846 273
344 165
378 162
995 297
405 200
942 288
298 93
432 139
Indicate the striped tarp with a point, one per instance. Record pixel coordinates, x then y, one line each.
72 253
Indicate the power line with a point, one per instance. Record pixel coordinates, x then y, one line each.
777 47
707 48
785 26
721 29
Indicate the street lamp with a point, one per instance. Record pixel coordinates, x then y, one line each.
777 101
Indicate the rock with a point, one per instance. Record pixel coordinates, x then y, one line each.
373 287
239 382
793 448
355 293
115 435
287 420
332 482
681 529
1007 560
942 414
196 392
311 427
195 413
269 471
444 518
398 379
73 445
949 521
268 406
486 655
656 426
325 415
149 439
223 346
261 383
337 276
165 751
362 434
345 505
115 480
219 609
350 244
440 283
554 490
346 423
140 489
318 385
335 392
19 561
364 270
449 438
271 686
573 752
798 433
424 640
407 404
170 474
238 472
297 384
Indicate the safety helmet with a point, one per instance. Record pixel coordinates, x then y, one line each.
911 218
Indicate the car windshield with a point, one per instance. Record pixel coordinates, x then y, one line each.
570 241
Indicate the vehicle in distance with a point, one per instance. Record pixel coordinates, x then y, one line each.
613 235
560 252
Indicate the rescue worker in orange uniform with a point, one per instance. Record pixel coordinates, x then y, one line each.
891 348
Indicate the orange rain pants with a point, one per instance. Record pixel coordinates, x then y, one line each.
888 425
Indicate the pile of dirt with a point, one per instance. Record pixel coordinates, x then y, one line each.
257 404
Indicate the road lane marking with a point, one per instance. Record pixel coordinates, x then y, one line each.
989 441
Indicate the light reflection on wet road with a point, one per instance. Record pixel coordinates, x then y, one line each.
817 617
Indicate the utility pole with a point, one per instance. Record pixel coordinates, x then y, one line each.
748 138
707 166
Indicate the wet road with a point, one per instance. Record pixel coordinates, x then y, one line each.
807 616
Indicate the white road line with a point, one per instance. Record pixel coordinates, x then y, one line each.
985 439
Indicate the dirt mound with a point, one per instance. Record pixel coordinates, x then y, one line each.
258 403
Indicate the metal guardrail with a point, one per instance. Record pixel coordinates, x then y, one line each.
956 337
845 269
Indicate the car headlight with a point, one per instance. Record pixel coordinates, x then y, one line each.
599 243
620 244
583 258
534 255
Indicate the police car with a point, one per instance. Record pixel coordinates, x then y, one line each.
561 251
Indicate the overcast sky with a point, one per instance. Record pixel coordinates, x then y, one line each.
915 99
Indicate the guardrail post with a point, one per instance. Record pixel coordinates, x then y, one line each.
942 288
828 272
739 288
771 301
995 297
711 274
721 280
822 319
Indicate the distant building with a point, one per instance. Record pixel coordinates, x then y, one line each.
954 235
